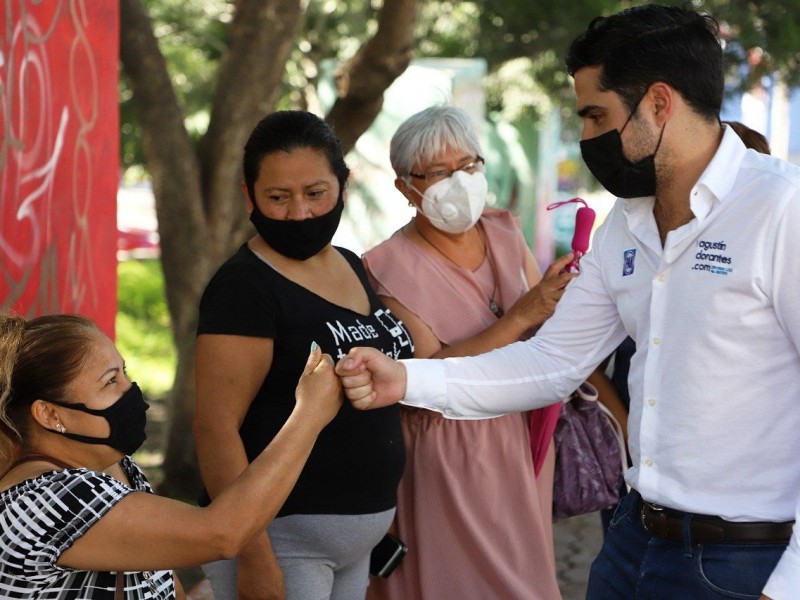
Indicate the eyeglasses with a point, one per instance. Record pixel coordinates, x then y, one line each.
436 175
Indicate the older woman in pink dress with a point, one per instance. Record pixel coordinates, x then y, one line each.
474 505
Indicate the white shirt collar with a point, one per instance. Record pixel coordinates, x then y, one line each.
716 183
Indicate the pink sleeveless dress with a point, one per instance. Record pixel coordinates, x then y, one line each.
476 520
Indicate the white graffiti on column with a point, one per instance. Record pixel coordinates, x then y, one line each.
31 151
83 81
42 178
27 138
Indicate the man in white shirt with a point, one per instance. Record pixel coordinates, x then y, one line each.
697 264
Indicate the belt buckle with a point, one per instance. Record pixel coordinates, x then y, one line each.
651 507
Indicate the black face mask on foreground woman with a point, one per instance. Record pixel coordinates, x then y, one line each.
298 239
126 420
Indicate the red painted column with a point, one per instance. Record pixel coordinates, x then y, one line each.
59 158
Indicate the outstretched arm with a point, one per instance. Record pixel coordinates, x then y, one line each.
522 319
144 532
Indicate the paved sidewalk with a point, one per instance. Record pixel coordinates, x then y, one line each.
577 542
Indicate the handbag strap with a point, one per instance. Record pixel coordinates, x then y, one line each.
119 594
587 391
623 451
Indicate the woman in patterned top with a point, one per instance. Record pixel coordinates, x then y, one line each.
77 516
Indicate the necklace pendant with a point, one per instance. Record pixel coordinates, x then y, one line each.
495 308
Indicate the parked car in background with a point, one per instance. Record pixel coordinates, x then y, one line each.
137 225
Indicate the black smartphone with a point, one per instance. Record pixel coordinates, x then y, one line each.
386 556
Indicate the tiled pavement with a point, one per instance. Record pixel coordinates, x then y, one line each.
577 542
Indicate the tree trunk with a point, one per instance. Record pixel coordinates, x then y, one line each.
175 172
198 204
362 82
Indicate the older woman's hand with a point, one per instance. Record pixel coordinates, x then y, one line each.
538 303
319 391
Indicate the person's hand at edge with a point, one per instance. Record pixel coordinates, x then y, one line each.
319 392
371 379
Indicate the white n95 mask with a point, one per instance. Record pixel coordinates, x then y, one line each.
455 204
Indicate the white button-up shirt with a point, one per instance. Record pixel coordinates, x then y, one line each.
714 424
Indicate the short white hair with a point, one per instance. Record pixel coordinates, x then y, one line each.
428 134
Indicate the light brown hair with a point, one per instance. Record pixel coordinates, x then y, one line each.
39 358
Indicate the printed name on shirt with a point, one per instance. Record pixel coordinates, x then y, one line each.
628 260
711 253
352 334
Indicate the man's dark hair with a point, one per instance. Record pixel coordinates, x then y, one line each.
288 130
645 44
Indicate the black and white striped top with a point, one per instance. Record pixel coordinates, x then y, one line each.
41 518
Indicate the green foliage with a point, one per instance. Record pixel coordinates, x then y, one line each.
193 35
772 27
449 29
143 326
511 28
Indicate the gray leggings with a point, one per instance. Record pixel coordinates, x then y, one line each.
323 557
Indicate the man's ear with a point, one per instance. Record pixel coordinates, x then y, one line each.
662 98
45 415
